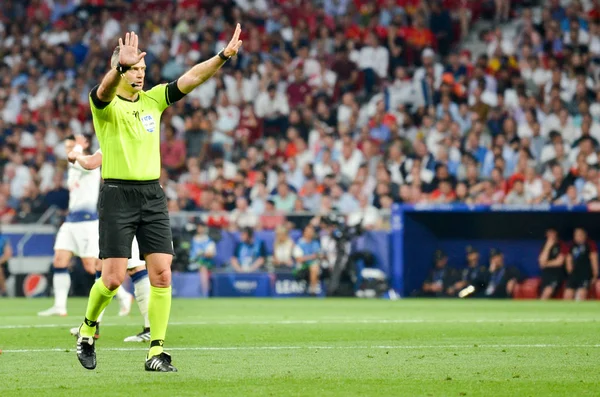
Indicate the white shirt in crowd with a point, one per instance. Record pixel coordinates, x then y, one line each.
229 118
321 170
403 92
533 188
569 132
319 80
376 58
205 93
350 166
248 92
243 219
19 182
111 29
434 140
539 75
56 37
282 251
368 215
438 71
229 170
260 6
343 114
268 107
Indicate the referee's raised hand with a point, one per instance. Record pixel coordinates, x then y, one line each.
129 54
235 43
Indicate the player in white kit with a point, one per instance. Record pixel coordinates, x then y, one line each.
78 235
136 267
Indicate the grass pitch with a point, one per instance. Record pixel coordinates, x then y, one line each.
320 347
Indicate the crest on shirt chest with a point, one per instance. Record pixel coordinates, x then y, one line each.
148 122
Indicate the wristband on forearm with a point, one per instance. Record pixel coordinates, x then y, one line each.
122 68
222 55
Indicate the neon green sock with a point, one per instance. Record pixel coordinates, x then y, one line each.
159 309
100 297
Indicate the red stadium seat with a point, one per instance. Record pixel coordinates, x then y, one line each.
594 292
527 289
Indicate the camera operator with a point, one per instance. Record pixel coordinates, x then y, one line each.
307 252
336 243
329 249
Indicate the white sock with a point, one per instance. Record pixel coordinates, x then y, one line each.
123 295
62 285
142 296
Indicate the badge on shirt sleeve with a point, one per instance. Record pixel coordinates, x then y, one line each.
149 123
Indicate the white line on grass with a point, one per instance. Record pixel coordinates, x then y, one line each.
340 321
249 348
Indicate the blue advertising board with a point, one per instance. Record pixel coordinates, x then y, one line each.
241 284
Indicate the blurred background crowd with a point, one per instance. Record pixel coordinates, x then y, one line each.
349 105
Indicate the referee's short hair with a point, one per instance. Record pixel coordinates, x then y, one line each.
114 59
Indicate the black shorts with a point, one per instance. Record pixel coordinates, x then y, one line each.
133 208
552 277
577 281
4 270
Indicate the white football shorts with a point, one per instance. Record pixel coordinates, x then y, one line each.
80 238
135 260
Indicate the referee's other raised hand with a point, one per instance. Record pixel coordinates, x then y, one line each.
128 50
235 43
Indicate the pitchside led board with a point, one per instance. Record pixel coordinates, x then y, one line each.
405 253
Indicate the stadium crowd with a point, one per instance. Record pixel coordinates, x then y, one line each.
338 104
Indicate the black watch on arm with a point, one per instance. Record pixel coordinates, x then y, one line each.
122 68
222 55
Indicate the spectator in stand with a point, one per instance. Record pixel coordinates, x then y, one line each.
284 199
172 152
373 60
242 216
298 89
418 36
272 107
518 195
6 212
32 205
581 265
441 26
552 265
249 254
444 194
367 215
312 75
307 252
283 249
346 70
202 253
271 217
